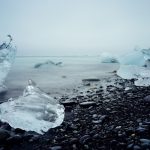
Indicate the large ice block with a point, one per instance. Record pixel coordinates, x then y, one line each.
136 65
34 111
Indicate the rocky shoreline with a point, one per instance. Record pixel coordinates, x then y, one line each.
108 113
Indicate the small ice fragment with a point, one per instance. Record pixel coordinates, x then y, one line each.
34 111
47 63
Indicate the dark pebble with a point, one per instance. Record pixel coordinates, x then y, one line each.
145 143
6 126
16 139
136 147
19 131
97 121
68 103
84 139
147 99
87 104
130 146
91 80
73 140
4 134
56 148
113 144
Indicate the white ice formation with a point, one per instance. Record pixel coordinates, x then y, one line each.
136 65
7 56
108 58
34 111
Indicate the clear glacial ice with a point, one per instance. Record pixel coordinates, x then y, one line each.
33 111
108 58
136 65
7 56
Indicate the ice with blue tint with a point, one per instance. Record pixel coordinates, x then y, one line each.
7 56
108 58
136 65
33 111
146 53
133 58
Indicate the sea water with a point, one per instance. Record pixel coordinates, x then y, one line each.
54 79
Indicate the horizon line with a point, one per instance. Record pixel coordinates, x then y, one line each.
59 56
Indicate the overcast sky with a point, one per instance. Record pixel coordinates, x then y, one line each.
75 27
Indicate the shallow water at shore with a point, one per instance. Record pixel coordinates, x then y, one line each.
55 80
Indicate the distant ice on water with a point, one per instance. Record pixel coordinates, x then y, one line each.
108 58
47 63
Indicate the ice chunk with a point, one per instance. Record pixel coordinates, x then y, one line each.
146 53
34 111
108 58
133 58
7 56
128 71
47 63
136 65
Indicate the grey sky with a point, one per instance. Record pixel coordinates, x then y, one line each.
69 27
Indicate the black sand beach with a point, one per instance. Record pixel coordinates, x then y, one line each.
115 117
74 75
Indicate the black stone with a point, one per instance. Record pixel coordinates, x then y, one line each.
4 134
16 139
68 103
91 80
147 99
19 131
84 139
56 148
87 104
